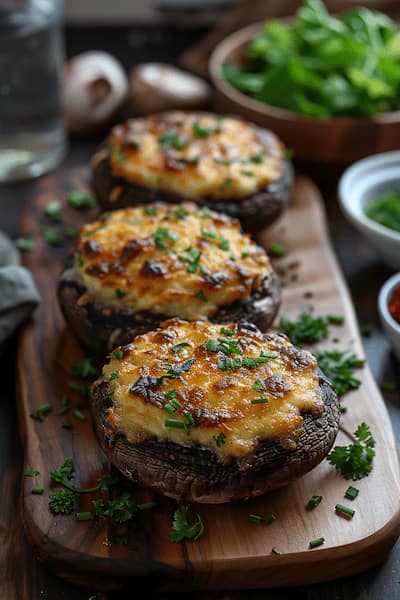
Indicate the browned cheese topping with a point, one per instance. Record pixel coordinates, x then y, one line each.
223 387
170 260
195 155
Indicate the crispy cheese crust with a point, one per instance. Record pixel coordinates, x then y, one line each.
226 388
170 260
200 156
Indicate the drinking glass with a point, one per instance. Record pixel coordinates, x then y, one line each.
32 130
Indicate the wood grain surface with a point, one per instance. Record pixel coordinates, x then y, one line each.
233 553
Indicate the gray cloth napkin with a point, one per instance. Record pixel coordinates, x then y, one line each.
18 293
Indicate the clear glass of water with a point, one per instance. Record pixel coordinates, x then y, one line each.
32 129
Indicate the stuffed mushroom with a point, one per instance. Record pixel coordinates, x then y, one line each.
135 267
213 413
225 163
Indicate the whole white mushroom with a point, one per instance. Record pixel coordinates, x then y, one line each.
95 88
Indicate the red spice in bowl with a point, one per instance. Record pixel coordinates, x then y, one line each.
394 304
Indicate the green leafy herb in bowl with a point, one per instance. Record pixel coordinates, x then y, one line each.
321 65
385 210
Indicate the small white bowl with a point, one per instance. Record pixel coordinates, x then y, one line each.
390 326
364 181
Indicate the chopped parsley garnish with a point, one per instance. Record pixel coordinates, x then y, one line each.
119 293
174 371
118 354
41 412
317 542
344 511
163 234
200 131
192 258
229 364
355 460
182 528
219 439
258 385
80 199
51 236
339 368
178 347
259 400
53 210
85 369
180 213
201 296
114 375
277 250
351 492
306 329
37 490
31 473
62 501
314 501
25 244
224 345
171 138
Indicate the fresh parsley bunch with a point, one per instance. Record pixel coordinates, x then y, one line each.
324 66
355 460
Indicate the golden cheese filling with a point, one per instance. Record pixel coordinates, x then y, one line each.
195 155
169 259
224 387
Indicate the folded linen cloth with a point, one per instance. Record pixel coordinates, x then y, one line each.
18 293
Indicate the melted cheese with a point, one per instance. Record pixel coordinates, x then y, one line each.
218 400
198 155
170 263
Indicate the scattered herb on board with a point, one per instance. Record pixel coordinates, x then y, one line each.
314 501
85 369
66 405
53 210
182 528
31 473
52 236
62 501
355 461
317 542
366 329
339 368
37 490
344 511
41 412
351 493
385 210
323 65
80 199
268 519
277 250
82 390
308 329
25 244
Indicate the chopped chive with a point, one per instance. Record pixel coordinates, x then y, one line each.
84 516
245 253
85 369
114 375
228 182
317 542
80 199
255 519
51 236
342 410
335 319
66 425
171 138
200 131
151 211
119 293
269 519
258 385
178 347
277 250
388 386
25 244
172 406
65 405
274 551
180 213
232 256
226 331
41 412
366 329
314 501
201 296
351 492
344 511
31 473
83 390
219 439
146 505
37 490
79 415
174 423
118 354
53 210
224 244
288 153
259 400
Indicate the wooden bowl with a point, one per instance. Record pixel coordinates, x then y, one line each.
338 140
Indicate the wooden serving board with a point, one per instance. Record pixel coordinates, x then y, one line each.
233 553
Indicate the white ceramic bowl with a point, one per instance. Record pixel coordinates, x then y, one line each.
390 326
362 182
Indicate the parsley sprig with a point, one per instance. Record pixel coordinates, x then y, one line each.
339 368
182 528
355 460
308 329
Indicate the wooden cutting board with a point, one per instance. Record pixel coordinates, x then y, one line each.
233 553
